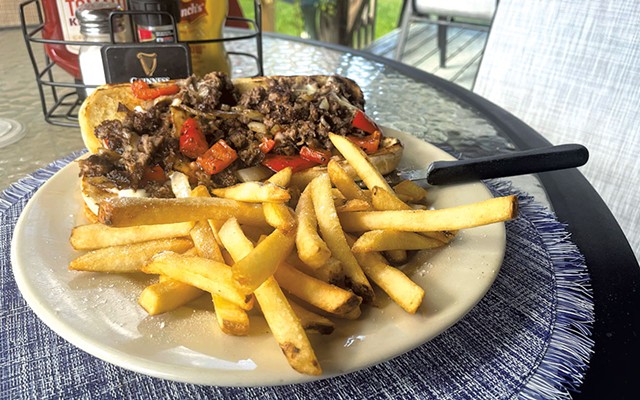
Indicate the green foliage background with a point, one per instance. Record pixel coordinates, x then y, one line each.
289 17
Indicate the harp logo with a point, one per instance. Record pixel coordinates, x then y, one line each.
149 62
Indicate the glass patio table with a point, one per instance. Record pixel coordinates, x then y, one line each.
561 317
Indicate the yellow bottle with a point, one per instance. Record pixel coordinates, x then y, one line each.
203 20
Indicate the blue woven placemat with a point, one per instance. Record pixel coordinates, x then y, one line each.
529 337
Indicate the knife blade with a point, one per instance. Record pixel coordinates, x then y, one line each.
542 159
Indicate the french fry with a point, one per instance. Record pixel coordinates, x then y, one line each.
406 293
383 200
396 257
312 322
334 237
353 315
130 211
320 294
254 192
485 212
209 275
234 240
330 272
345 183
95 236
232 319
282 178
205 242
126 258
354 205
200 191
279 215
360 162
251 271
286 328
285 325
382 240
312 250
167 295
409 189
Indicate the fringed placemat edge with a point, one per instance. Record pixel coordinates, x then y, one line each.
562 367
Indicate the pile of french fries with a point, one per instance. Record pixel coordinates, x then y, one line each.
306 256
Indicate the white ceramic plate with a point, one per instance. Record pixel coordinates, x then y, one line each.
99 312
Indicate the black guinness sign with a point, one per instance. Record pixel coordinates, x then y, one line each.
150 63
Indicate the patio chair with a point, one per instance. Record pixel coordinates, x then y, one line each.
474 14
569 69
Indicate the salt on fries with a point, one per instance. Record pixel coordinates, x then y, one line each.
305 257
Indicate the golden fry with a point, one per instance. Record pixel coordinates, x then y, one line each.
286 328
485 212
167 295
312 250
283 322
280 216
360 162
406 293
251 271
209 275
205 242
383 200
409 189
126 258
334 237
254 192
382 240
95 236
312 322
232 319
130 211
354 205
282 177
345 183
320 294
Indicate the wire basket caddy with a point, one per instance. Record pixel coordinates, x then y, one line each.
61 95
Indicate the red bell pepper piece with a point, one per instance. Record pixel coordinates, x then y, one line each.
369 143
315 155
143 91
154 174
278 162
217 158
192 141
362 121
266 145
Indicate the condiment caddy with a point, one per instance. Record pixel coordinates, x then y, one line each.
86 44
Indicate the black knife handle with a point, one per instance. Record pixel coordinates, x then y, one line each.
523 162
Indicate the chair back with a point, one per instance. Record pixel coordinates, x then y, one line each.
570 69
476 9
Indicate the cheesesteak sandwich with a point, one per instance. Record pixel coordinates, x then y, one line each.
220 132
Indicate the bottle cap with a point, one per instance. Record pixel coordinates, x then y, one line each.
149 20
94 18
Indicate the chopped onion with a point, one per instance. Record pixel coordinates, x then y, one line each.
257 173
180 184
258 127
324 104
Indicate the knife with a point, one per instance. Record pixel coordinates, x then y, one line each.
542 159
